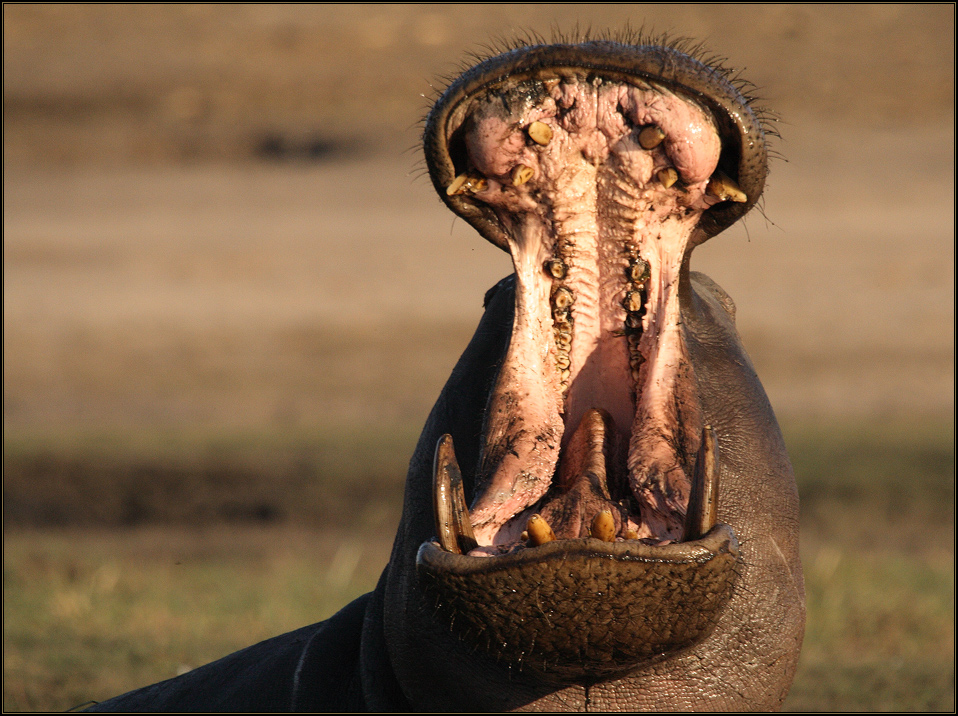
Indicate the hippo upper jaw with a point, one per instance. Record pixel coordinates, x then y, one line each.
590 411
598 167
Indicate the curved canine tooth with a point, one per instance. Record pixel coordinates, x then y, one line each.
540 133
521 174
667 176
453 526
722 187
651 137
539 531
703 499
603 526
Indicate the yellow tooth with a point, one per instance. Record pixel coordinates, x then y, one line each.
639 271
466 183
651 137
724 188
667 176
562 298
633 301
556 268
631 534
521 174
457 184
603 526
540 133
539 531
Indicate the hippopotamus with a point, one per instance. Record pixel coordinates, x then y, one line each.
600 513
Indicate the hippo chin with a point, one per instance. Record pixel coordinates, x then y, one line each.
600 513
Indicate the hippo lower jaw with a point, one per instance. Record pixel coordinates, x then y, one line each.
579 608
594 500
584 609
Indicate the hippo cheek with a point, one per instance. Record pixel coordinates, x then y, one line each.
580 539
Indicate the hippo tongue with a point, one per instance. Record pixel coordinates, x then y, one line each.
582 490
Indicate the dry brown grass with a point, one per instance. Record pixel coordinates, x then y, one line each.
182 82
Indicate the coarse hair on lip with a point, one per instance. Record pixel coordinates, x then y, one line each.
676 63
625 35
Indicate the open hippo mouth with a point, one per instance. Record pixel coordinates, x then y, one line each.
590 542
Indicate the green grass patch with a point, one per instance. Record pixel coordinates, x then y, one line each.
904 466
878 511
91 613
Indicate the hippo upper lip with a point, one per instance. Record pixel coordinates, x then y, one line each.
742 124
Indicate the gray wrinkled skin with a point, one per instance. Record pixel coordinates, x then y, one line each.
391 650
747 663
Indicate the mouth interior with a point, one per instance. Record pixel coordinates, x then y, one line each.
598 184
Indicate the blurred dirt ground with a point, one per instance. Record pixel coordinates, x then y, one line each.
211 216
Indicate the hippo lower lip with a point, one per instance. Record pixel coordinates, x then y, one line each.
584 609
599 183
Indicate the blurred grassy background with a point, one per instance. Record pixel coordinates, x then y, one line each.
229 305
